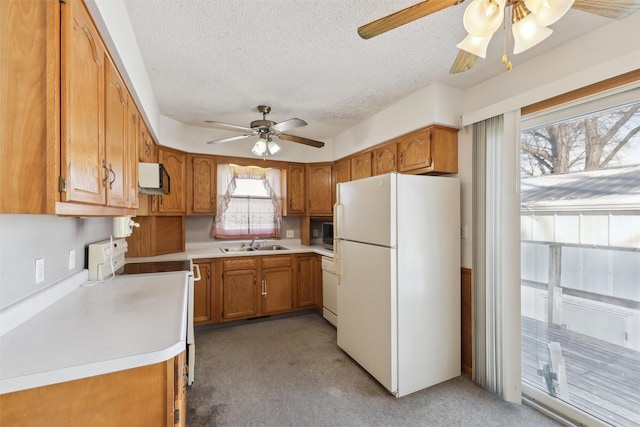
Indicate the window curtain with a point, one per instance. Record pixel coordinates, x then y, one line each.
496 256
247 216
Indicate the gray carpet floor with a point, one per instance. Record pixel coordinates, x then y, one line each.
290 372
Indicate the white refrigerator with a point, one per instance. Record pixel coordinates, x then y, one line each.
398 254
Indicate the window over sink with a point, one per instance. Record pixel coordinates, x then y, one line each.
248 202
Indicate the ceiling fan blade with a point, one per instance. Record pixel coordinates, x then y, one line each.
614 9
288 124
228 126
464 62
232 138
301 140
404 16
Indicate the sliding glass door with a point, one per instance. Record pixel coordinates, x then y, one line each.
580 258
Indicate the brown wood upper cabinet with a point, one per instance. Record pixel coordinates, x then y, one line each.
96 164
175 163
433 149
319 189
296 199
65 101
201 185
361 166
385 159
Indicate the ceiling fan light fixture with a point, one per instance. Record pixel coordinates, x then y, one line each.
260 147
548 11
528 33
483 17
272 147
475 45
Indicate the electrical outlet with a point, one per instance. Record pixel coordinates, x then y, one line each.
72 259
39 270
315 232
463 232
289 234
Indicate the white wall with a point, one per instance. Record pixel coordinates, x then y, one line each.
25 238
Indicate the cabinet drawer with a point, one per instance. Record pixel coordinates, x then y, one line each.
239 263
276 261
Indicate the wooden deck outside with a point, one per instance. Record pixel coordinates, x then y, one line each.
603 379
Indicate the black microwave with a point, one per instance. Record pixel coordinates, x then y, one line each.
327 235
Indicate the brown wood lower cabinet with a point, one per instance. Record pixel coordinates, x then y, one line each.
239 288
252 286
150 395
202 301
276 293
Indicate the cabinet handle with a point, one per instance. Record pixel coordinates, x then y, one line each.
111 172
106 177
264 287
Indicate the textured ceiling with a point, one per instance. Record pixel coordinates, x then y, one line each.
219 59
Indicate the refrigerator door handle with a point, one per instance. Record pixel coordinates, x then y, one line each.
336 236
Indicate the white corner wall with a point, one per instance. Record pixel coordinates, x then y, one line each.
434 104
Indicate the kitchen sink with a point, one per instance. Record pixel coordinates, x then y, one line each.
271 248
250 249
242 249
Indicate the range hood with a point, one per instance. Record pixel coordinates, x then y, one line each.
153 179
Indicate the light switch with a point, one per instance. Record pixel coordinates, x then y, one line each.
289 234
72 259
39 270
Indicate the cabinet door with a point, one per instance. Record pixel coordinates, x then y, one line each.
415 150
384 159
175 163
361 166
147 151
319 189
133 134
305 289
83 163
341 173
116 122
239 294
296 197
276 290
203 185
317 280
202 313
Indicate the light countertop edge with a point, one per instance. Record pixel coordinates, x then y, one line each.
137 320
204 250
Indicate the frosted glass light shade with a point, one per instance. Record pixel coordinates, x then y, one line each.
528 33
475 45
483 17
548 11
260 147
272 147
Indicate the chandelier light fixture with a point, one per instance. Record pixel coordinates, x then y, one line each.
529 23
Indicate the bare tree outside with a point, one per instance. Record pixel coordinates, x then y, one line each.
601 140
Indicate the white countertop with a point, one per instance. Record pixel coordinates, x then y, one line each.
212 250
128 322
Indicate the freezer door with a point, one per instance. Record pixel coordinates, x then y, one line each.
367 298
366 210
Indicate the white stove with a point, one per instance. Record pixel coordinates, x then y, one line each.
107 259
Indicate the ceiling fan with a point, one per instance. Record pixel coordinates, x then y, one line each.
266 129
490 13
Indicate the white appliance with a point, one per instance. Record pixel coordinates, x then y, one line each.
329 291
398 253
107 258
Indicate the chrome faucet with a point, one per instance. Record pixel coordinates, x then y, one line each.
255 239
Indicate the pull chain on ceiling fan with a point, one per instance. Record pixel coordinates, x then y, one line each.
529 21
